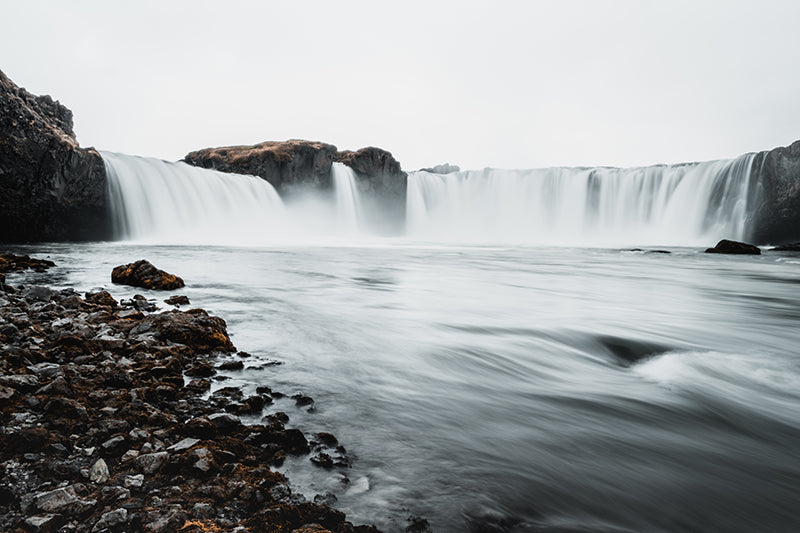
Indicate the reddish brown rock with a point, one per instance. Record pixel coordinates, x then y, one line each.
194 328
143 274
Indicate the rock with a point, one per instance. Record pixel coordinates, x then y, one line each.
111 519
323 460
133 482
231 365
99 473
53 190
286 165
101 298
44 524
445 168
144 274
301 400
194 328
382 184
16 263
775 197
20 382
311 528
225 422
166 521
150 463
791 247
733 247
37 293
177 300
184 444
63 501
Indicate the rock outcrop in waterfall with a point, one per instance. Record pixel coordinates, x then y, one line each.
776 215
51 189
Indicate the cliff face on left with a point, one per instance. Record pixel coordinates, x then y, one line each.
51 189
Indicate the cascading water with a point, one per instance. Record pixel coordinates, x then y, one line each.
158 201
690 204
347 197
678 205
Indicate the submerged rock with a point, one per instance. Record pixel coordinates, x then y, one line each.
793 247
143 274
734 247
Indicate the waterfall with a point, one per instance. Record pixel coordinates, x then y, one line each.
689 204
347 198
158 201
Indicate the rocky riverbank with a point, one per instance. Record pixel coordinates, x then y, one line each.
108 424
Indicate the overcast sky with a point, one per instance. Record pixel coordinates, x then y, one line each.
502 84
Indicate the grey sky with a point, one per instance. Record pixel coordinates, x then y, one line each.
503 84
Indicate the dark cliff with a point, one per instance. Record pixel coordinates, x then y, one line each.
283 164
776 215
50 188
296 164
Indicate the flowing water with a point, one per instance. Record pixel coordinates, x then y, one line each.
513 387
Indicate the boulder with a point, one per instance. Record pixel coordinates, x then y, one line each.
53 190
284 164
790 247
445 168
143 274
194 328
733 247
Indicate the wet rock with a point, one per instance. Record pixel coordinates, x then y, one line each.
792 247
57 387
311 528
115 493
323 460
17 263
37 293
139 303
99 473
143 274
325 499
231 365
111 520
177 300
301 400
225 422
194 328
200 427
417 524
734 247
103 298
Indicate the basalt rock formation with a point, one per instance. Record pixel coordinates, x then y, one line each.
292 164
381 180
51 189
734 247
283 164
776 217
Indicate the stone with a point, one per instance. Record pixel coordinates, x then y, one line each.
733 247
111 519
53 190
149 463
194 328
20 382
184 444
225 422
133 482
101 298
177 300
143 274
63 500
44 524
231 365
99 473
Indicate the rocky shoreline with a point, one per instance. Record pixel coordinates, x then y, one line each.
108 424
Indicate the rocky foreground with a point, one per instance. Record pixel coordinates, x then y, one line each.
107 425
